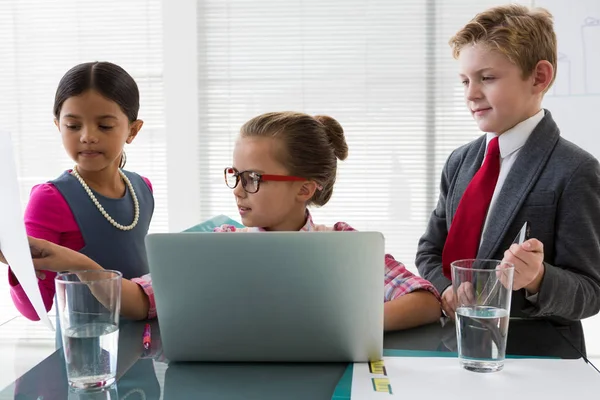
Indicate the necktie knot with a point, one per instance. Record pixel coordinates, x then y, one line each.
493 149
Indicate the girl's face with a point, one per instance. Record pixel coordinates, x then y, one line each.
278 205
94 130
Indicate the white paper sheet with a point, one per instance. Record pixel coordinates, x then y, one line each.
13 239
443 378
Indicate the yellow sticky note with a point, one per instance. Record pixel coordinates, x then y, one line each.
382 385
377 367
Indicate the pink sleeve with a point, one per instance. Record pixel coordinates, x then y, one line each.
47 217
145 283
398 280
148 183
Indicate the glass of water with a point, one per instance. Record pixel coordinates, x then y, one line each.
106 393
483 291
89 303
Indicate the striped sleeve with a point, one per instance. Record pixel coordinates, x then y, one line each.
145 283
400 281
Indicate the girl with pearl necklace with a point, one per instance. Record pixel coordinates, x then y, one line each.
96 208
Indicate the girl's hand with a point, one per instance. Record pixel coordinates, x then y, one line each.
40 274
48 256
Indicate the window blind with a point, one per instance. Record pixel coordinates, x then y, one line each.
382 68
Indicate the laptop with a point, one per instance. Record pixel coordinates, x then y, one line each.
271 296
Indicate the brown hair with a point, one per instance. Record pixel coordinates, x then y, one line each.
526 36
312 146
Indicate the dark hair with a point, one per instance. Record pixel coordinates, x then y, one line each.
108 79
312 146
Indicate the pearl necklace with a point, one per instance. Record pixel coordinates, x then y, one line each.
114 223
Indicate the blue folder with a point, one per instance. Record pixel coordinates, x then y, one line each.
211 224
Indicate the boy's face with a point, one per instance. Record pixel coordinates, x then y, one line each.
495 91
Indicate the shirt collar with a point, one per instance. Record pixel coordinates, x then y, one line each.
514 138
308 225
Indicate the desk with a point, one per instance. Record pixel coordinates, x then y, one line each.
151 378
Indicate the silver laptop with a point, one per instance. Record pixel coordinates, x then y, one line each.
285 296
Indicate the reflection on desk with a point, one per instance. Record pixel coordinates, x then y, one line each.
218 381
138 377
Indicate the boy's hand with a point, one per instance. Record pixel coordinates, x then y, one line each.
528 259
448 302
465 294
2 259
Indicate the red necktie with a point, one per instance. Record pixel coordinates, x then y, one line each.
466 227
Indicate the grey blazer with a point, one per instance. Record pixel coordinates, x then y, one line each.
554 185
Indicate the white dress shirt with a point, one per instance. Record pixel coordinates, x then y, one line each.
510 143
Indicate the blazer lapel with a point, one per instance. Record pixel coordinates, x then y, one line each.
471 164
520 180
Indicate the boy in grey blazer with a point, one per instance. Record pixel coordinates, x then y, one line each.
507 58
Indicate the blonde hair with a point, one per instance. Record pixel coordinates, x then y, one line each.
312 146
526 36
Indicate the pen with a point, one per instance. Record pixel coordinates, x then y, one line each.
522 236
146 340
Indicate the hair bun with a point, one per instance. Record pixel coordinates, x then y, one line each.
335 132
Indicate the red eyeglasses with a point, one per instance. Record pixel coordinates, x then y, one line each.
251 180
